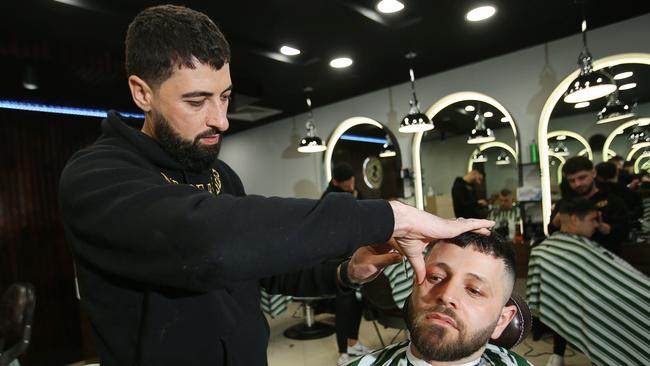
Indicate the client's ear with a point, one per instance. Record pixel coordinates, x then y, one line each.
507 314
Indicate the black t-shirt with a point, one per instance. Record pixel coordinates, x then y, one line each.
465 199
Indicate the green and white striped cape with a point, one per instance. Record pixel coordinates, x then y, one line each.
401 283
399 354
592 298
274 304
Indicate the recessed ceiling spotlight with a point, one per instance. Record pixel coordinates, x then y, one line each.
505 119
623 75
289 51
627 86
480 13
470 108
389 6
488 114
561 138
581 105
341 62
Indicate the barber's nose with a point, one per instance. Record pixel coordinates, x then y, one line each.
218 117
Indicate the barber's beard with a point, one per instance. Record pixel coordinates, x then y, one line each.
434 341
191 154
585 190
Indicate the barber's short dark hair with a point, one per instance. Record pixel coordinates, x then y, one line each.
342 172
494 245
606 170
577 206
577 164
163 37
505 192
616 158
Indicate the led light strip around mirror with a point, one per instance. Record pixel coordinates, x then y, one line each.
553 99
340 130
433 110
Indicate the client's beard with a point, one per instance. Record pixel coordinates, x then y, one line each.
430 341
191 154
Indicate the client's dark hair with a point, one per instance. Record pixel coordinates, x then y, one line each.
494 245
578 206
577 164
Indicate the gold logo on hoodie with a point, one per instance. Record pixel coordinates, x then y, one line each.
214 186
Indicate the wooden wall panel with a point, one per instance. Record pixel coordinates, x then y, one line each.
33 150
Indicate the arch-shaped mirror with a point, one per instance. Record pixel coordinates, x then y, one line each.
372 151
442 154
567 130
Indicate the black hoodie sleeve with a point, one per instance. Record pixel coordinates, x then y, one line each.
122 218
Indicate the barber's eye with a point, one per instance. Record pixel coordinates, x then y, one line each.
474 291
225 98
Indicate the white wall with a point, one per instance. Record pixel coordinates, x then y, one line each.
266 160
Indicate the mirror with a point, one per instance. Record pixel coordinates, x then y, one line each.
372 152
567 130
442 154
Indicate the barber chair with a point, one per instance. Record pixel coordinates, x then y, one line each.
16 316
381 307
310 328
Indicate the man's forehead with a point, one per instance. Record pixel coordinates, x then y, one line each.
579 174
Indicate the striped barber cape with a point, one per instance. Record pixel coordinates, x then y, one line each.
592 298
399 354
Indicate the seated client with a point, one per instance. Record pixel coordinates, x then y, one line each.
586 294
460 306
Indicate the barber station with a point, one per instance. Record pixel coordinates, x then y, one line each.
325 183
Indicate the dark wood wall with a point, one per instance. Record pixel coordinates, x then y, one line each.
33 150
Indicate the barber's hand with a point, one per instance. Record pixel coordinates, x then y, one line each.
368 261
415 229
603 227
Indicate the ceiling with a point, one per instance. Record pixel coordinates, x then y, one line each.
75 47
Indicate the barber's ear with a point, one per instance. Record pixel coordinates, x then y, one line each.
507 313
141 93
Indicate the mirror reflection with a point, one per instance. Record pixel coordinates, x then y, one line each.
363 158
469 161
612 133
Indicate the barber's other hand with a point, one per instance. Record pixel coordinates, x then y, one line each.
368 261
414 229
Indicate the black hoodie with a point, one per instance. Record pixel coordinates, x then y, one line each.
170 263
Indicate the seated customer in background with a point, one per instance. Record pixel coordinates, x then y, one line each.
505 214
586 294
452 315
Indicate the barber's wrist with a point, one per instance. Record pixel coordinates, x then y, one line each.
344 278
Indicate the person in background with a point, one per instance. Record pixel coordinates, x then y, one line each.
580 177
586 294
606 174
459 308
348 309
342 181
506 216
171 253
465 197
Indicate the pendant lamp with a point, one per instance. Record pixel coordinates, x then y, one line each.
311 143
415 121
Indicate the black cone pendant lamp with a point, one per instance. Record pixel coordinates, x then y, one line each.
590 84
415 121
311 143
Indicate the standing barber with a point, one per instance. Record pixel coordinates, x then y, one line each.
170 251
